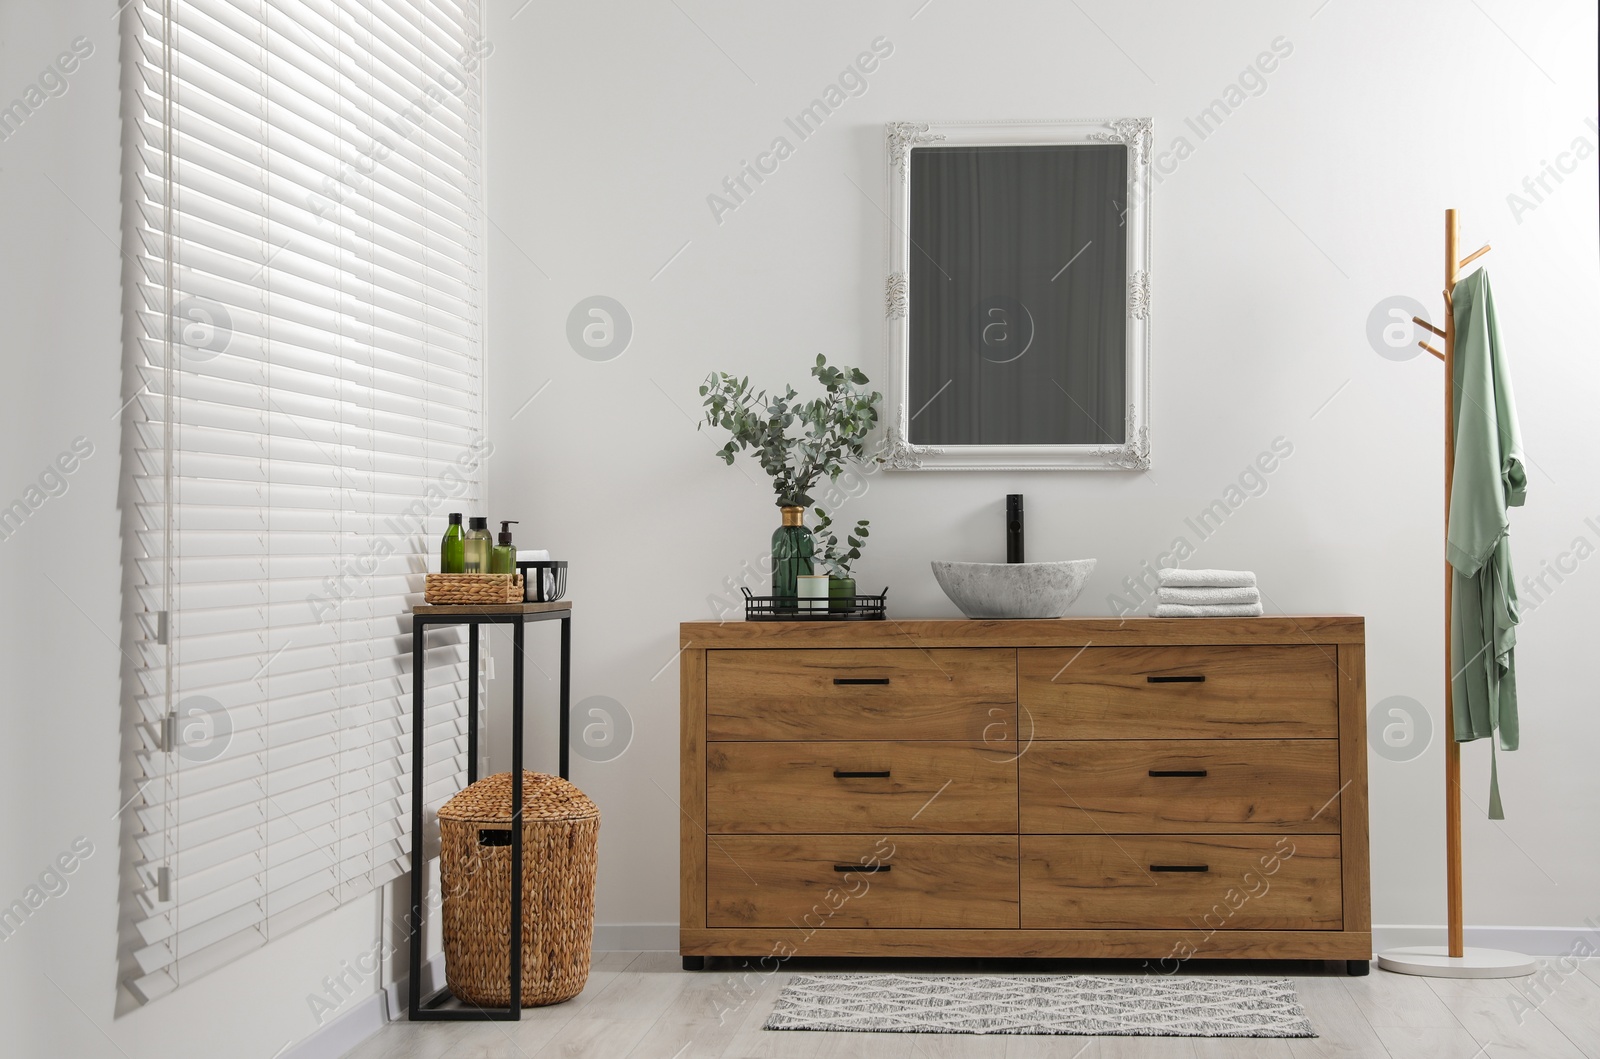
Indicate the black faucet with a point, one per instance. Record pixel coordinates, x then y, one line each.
1014 527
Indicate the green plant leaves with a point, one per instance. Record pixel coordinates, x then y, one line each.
833 428
835 559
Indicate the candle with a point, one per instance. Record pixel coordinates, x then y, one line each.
813 591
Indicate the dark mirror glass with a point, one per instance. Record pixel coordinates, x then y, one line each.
1018 295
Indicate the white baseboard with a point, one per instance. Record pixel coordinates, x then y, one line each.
369 1014
636 937
394 996
1532 941
366 1017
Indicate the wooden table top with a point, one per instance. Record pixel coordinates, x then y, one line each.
487 609
1028 632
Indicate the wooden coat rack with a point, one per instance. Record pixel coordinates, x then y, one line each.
1454 959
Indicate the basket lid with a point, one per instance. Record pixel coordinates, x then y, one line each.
544 797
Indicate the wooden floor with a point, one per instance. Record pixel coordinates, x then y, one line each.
643 1005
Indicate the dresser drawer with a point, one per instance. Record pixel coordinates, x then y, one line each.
1180 785
820 881
854 788
1155 882
961 694
1179 692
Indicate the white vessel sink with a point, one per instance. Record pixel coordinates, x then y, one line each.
1013 590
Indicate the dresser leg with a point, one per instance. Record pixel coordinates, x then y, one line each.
698 963
1357 968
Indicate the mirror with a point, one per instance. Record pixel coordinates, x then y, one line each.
1018 295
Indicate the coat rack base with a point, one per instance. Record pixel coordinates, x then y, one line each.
1435 961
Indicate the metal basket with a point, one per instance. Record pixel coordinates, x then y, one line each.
546 579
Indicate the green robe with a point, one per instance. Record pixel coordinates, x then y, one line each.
1488 479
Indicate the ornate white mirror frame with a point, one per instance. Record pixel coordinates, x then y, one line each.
1134 453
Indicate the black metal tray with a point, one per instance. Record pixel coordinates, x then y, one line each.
841 608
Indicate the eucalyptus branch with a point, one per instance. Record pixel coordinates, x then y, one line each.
796 442
834 556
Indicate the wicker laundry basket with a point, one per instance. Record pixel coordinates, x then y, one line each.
561 838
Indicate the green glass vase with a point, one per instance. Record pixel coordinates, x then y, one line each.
793 550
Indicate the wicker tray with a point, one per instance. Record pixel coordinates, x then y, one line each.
473 588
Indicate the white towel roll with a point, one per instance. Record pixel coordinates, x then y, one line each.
529 589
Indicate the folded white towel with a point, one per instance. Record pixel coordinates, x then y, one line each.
1173 577
1200 597
1216 610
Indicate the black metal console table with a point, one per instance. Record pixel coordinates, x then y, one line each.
516 615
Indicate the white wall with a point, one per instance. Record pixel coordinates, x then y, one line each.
612 122
610 125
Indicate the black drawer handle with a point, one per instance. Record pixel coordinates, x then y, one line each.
1180 867
494 838
863 868
1177 772
838 775
860 680
1200 679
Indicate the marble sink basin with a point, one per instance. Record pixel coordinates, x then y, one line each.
1013 590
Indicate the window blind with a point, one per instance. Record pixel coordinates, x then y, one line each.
306 408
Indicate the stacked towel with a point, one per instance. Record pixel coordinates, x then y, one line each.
1207 594
1173 577
1208 610
1199 597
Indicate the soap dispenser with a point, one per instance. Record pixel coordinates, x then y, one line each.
504 560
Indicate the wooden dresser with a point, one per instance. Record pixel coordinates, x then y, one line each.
1152 788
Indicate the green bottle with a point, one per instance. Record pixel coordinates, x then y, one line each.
793 548
451 560
475 547
504 558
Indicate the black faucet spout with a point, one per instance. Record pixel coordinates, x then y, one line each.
1014 528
